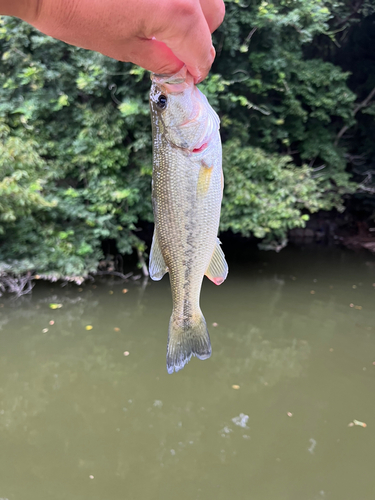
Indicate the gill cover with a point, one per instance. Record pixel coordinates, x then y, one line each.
188 120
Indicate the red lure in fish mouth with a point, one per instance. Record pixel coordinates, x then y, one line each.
201 148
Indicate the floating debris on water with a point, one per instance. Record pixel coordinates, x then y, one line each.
225 431
290 414
241 420
312 447
116 329
45 330
215 324
91 476
88 327
126 353
357 422
110 292
51 322
158 403
361 424
235 386
312 292
55 306
124 290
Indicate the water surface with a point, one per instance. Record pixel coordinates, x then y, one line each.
266 418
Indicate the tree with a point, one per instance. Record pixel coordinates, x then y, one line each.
75 167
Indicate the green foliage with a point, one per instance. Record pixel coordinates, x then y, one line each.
21 179
74 166
75 151
266 194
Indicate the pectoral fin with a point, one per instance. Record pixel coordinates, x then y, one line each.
218 269
204 179
157 266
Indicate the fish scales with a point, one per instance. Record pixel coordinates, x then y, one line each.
186 193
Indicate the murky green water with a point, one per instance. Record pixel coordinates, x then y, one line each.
81 420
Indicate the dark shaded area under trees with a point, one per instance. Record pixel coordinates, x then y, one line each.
293 83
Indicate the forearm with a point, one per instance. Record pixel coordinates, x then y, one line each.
24 9
159 35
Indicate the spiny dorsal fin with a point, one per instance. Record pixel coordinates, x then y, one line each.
157 266
218 269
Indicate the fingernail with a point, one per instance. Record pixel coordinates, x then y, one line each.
212 53
198 77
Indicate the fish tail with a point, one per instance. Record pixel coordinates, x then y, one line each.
187 339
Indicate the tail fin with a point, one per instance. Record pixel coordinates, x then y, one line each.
185 341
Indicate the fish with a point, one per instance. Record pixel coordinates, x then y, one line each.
187 190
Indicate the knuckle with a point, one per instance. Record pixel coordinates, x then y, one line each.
218 16
186 9
221 12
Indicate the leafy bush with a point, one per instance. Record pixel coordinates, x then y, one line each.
75 152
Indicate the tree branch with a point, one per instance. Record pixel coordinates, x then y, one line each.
359 106
113 273
356 8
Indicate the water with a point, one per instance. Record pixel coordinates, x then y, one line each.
266 418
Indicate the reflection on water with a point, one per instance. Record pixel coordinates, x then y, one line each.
265 418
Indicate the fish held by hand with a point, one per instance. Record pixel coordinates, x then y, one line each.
187 189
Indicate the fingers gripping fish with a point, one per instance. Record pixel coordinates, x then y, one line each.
187 188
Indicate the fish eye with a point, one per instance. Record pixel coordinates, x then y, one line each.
162 101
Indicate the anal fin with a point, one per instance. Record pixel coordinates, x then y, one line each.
157 265
218 269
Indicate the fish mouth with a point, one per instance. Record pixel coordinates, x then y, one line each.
173 84
176 84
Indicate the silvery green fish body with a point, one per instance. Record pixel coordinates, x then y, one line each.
186 194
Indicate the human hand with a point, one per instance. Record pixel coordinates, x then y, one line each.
159 35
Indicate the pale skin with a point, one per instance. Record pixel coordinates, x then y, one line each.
158 35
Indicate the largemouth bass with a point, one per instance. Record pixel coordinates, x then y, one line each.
187 188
